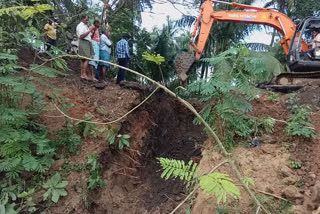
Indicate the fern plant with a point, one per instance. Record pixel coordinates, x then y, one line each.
217 184
229 92
178 168
220 185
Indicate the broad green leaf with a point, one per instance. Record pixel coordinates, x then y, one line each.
112 139
62 184
120 144
25 194
126 136
10 209
56 193
46 194
55 196
153 58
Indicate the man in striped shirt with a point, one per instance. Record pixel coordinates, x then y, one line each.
123 56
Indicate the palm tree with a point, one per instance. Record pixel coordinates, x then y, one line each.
283 6
223 35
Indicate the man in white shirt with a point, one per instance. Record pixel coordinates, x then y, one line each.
85 47
105 53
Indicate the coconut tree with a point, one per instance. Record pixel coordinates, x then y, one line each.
283 6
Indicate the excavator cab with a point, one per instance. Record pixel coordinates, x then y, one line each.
302 57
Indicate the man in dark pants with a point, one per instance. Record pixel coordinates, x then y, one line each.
123 56
50 29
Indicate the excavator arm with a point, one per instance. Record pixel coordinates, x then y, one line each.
256 15
289 81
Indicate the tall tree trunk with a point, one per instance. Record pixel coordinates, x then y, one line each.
207 68
273 37
103 15
203 67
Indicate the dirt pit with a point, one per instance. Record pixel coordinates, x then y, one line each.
162 128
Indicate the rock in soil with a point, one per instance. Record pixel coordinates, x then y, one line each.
286 171
291 193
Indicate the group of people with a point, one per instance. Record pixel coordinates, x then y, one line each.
92 45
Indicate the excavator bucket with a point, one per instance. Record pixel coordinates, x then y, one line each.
183 62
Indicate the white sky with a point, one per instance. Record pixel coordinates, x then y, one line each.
160 11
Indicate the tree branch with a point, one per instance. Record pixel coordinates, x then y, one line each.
192 109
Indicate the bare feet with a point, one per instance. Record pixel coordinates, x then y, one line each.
85 77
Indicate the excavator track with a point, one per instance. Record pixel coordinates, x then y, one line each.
291 81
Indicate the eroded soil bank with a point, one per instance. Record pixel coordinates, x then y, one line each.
163 128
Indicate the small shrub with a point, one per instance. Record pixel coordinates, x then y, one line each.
89 129
295 164
67 137
95 179
112 136
55 188
299 123
273 96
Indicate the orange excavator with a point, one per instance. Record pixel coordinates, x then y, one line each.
303 61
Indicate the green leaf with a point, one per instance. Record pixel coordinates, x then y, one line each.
10 209
30 163
45 71
62 184
46 195
8 56
153 58
120 144
126 136
112 139
55 196
26 194
28 88
57 193
248 181
220 185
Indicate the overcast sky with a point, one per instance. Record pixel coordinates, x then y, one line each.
159 12
157 17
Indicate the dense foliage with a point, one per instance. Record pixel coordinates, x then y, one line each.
229 93
227 90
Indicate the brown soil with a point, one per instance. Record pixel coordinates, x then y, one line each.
309 95
160 128
163 128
